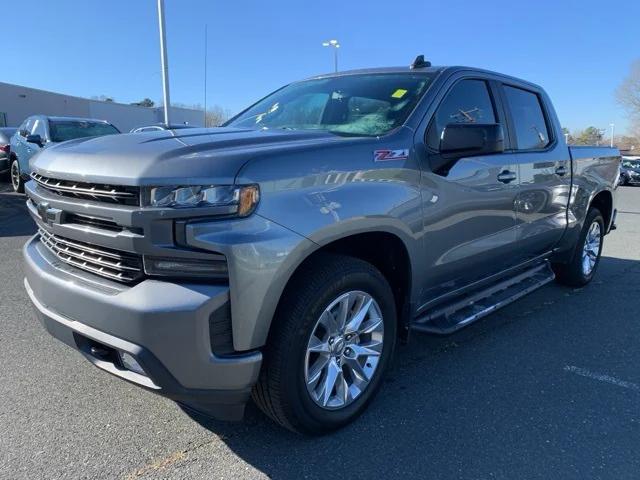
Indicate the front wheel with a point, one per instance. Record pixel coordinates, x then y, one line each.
16 177
329 347
586 256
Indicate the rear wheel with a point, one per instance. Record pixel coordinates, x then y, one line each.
586 255
16 178
331 343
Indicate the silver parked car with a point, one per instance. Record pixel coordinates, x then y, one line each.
282 255
39 132
159 127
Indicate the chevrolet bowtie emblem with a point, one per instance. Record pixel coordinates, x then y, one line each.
49 215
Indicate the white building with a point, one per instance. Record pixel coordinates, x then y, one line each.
17 103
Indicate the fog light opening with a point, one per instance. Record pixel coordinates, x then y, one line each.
131 364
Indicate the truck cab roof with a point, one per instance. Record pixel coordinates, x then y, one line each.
438 70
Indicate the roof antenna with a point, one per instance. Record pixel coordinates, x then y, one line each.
420 62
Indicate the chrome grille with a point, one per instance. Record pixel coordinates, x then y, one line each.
113 264
92 191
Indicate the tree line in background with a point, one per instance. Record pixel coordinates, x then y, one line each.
216 115
597 136
588 136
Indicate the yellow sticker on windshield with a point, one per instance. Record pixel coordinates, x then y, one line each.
399 93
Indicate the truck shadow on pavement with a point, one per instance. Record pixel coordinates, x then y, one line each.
15 220
494 400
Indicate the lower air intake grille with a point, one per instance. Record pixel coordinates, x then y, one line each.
108 263
220 331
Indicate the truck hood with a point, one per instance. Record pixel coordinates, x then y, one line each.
187 156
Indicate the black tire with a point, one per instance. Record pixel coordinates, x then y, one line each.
572 274
281 391
16 177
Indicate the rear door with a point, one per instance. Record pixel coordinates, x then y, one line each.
544 170
469 216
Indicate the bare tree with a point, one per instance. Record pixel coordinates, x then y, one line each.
216 116
628 94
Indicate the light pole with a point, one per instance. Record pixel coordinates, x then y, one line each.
163 61
613 126
335 45
205 76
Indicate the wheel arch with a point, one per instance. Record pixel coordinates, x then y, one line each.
603 201
384 249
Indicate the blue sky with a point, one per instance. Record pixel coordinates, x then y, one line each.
578 50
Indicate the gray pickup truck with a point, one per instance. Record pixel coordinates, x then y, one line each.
283 255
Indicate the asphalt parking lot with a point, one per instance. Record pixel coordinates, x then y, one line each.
549 387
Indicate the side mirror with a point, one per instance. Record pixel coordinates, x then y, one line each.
467 140
37 139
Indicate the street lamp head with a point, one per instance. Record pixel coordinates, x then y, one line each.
331 43
336 46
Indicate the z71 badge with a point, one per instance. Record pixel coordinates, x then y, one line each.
388 155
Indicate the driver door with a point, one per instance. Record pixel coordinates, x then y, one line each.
21 148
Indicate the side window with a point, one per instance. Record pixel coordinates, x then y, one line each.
528 118
38 129
468 101
26 127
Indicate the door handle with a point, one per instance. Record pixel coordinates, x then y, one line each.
561 170
506 176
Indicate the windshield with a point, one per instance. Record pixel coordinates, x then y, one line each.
631 164
63 130
366 105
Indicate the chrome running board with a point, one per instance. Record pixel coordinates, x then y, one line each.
462 311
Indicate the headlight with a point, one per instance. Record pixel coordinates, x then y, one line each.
240 200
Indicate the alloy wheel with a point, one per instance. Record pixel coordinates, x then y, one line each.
15 175
344 350
591 248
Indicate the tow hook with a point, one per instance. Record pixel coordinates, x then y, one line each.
99 352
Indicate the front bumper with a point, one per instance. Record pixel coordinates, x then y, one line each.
163 325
